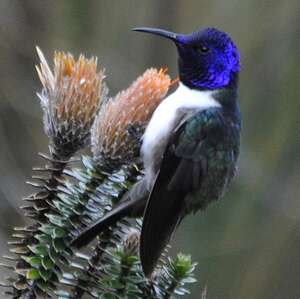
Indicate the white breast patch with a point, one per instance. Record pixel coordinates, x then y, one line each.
167 116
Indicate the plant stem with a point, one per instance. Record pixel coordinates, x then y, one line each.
170 289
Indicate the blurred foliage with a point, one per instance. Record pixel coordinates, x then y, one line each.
248 245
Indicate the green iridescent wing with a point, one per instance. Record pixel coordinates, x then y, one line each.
182 171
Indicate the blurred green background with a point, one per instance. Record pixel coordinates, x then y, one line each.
248 245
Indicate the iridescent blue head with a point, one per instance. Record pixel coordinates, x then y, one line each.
208 59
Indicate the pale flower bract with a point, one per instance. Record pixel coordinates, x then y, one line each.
70 98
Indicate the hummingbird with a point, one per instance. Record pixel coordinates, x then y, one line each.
190 146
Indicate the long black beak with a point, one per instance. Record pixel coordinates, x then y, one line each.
175 37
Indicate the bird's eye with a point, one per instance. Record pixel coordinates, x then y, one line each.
202 49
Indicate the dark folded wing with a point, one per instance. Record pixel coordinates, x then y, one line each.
182 170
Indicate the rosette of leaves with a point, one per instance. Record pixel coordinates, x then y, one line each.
110 268
77 203
120 274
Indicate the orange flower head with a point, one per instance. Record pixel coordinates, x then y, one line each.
117 131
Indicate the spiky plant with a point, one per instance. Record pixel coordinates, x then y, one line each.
72 196
70 99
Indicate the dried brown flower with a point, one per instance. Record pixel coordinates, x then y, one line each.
70 98
131 242
117 131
